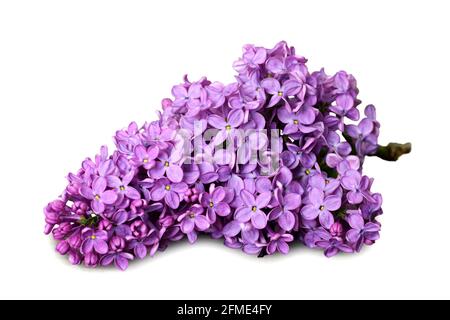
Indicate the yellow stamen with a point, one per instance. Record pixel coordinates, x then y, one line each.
166 164
192 216
122 188
254 209
280 93
211 204
308 171
228 127
321 208
167 187
295 121
97 197
93 237
145 160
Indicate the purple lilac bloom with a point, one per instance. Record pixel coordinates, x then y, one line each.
167 180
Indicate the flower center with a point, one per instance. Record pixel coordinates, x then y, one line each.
166 164
295 121
211 204
168 188
93 237
145 160
327 181
122 188
192 215
254 208
280 93
321 208
228 127
97 197
307 171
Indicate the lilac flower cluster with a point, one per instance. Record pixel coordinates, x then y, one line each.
145 195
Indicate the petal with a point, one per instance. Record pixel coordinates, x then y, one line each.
217 122
101 246
195 91
355 221
87 246
232 229
107 260
291 87
97 206
287 221
371 227
365 126
259 219
316 196
263 185
235 118
87 192
187 225
285 115
332 203
355 197
218 194
109 197
247 198
309 212
274 100
306 115
250 235
179 91
260 56
274 65
132 193
172 199
140 251
292 201
174 173
283 247
263 199
158 192
275 213
353 235
99 185
201 223
243 214
180 187
121 262
157 171
326 219
222 209
114 182
352 131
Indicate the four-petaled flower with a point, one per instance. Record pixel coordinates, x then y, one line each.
214 203
252 208
145 157
361 231
278 91
122 185
94 240
170 192
98 195
319 205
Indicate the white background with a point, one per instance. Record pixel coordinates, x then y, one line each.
73 72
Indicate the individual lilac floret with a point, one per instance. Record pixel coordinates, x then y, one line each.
252 209
98 195
321 206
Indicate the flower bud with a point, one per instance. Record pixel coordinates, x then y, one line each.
62 247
